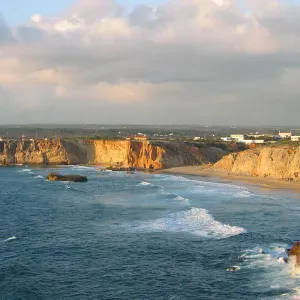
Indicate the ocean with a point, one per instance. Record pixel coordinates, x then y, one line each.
142 236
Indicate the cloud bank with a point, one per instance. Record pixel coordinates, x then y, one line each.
184 61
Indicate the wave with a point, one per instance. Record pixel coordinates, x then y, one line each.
10 239
39 177
243 194
199 182
85 168
69 187
184 200
25 170
145 183
195 221
276 274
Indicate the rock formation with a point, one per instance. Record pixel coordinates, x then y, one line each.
277 162
124 154
72 178
295 252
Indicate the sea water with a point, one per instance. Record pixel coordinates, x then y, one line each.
142 236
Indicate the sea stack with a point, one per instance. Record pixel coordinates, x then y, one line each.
73 178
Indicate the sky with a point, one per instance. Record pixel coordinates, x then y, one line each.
150 62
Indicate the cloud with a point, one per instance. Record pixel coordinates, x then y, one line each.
29 34
196 61
5 32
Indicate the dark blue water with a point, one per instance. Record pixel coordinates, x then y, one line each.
142 236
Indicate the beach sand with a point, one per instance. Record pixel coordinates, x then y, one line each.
227 177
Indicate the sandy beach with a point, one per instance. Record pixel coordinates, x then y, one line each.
231 177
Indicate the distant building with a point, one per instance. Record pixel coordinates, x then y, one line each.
285 135
197 138
260 135
137 138
226 139
249 142
295 138
1 139
237 137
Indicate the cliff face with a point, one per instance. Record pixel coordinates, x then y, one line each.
143 155
282 162
40 152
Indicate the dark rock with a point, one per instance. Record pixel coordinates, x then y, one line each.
122 169
73 178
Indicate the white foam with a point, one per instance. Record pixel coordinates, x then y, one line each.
145 183
184 200
195 221
10 239
25 170
83 168
275 274
39 177
202 182
242 194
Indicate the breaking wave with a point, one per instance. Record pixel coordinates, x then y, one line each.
195 221
184 200
145 183
25 170
148 184
10 239
275 273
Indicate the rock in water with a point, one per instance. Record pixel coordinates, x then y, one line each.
73 178
295 251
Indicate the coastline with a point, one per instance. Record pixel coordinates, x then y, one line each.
226 177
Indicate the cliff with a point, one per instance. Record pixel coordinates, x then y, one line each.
279 162
137 154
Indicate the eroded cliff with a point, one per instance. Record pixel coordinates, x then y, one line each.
137 154
278 162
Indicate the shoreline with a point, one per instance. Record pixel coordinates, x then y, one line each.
227 177
203 172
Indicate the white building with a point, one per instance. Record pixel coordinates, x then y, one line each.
295 138
197 138
285 135
226 139
248 142
237 137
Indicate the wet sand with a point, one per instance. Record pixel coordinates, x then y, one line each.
232 177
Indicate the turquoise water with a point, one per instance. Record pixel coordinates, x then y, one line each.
142 236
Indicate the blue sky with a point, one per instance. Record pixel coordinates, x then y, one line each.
14 13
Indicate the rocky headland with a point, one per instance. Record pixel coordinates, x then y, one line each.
114 154
273 162
276 162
